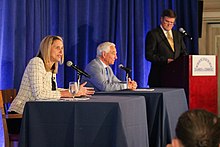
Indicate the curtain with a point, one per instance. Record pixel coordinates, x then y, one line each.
83 24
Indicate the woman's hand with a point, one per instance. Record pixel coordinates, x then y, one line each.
66 94
85 91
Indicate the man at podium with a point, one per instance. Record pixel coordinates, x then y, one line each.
163 45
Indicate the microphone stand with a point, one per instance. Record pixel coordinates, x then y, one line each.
79 75
127 76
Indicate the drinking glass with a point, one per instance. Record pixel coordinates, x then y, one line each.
73 87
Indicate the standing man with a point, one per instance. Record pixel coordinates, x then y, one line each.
163 45
102 76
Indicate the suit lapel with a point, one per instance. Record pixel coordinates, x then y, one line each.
175 40
104 70
109 74
101 66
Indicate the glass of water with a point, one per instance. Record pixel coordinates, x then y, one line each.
73 87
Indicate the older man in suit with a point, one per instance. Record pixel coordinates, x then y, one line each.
163 45
102 76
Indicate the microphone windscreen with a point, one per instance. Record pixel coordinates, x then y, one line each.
120 66
69 63
181 30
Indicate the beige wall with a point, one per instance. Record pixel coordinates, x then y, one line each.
209 43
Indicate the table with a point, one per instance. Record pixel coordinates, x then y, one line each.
102 121
164 106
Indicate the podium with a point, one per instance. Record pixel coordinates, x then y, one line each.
197 74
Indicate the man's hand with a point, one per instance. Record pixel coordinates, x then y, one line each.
169 60
132 84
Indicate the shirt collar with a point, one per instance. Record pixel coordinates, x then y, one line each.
165 32
103 64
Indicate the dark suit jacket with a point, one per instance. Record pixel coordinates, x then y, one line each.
158 50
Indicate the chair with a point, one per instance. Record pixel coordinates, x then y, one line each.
6 97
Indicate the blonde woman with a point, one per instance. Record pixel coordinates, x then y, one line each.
39 79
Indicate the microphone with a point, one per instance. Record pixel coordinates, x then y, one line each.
70 64
124 68
185 33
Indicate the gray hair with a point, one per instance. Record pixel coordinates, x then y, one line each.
105 46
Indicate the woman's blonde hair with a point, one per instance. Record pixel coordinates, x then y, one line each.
44 52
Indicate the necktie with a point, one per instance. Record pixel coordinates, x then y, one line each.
107 74
170 40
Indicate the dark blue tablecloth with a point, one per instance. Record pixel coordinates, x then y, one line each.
164 106
102 121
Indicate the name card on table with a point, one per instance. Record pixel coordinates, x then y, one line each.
203 65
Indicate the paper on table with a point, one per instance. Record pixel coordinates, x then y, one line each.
61 99
145 89
75 99
66 99
47 100
82 98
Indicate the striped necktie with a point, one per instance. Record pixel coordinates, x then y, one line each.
170 40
